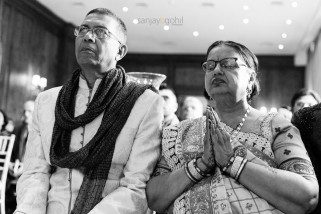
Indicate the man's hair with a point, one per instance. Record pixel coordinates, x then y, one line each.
303 92
122 30
164 86
5 120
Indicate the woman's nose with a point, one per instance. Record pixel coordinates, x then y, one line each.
217 70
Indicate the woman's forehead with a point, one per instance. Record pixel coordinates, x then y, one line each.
221 52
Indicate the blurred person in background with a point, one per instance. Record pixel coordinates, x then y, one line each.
191 108
3 123
304 98
308 121
10 126
286 112
18 151
21 133
170 105
235 159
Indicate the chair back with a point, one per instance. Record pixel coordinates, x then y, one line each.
6 145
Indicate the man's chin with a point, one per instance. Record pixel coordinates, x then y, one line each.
87 62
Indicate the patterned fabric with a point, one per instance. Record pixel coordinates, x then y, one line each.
276 143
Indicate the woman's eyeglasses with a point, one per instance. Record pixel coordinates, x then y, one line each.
98 32
226 63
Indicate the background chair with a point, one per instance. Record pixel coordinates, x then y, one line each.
6 145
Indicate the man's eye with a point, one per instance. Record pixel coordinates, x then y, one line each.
83 29
100 32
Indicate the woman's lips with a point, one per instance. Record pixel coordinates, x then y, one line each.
217 81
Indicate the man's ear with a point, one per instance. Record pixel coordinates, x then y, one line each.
121 52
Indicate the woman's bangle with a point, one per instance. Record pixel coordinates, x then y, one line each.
236 166
244 161
192 169
189 174
230 162
201 172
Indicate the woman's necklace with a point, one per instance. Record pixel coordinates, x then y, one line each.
239 126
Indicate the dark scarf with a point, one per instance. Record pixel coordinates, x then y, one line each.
116 99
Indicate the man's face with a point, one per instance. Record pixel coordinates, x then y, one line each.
304 101
27 111
98 52
192 108
170 102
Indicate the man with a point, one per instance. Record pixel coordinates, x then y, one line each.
170 105
94 142
21 133
308 121
191 108
18 151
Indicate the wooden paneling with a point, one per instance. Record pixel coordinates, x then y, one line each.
34 41
278 76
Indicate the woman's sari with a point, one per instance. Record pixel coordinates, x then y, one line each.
277 142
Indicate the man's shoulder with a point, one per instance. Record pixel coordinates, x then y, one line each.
49 94
148 97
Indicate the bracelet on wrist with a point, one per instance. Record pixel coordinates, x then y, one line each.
230 162
206 173
236 166
244 162
192 169
189 174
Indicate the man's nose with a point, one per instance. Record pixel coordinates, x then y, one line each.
89 36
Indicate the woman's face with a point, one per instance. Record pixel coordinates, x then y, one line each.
304 101
1 120
227 81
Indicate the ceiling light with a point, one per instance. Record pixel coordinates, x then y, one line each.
294 4
208 4
221 27
246 7
195 33
135 21
288 21
125 9
284 35
281 46
141 4
246 21
166 27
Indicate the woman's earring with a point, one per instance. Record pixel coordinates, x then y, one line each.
248 92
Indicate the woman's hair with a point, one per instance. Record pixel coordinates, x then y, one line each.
303 92
5 120
248 57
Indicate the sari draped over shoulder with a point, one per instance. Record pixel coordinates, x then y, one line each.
220 193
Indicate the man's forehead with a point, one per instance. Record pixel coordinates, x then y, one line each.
166 92
100 20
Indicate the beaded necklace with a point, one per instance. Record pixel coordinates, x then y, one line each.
239 126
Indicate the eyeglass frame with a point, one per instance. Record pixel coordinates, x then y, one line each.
219 62
109 34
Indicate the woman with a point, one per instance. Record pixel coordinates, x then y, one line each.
234 160
304 98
